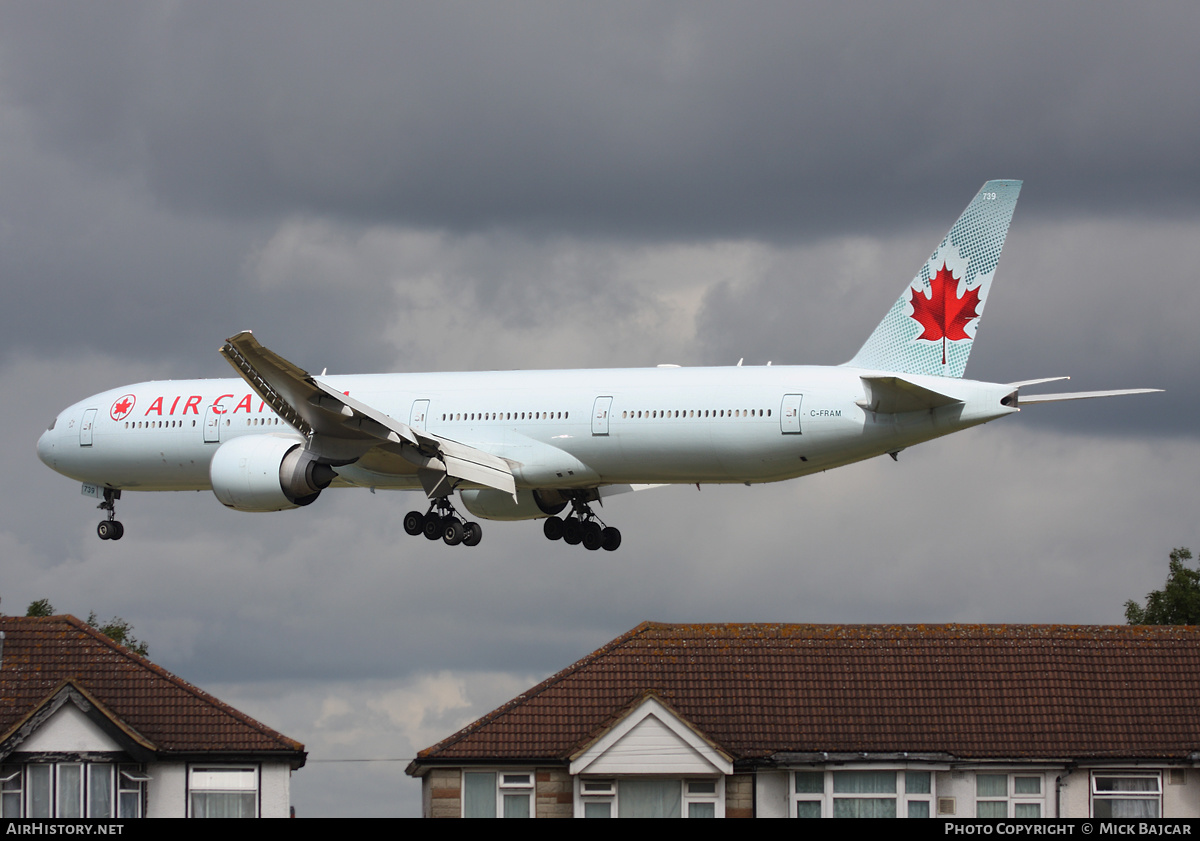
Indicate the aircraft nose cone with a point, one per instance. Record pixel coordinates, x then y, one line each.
45 448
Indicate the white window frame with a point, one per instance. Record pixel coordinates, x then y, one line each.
131 791
595 792
695 793
234 785
1012 799
123 778
12 791
607 790
515 785
827 795
506 783
1109 796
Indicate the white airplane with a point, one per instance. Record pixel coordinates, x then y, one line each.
518 445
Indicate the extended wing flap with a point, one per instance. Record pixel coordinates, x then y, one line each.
461 461
894 395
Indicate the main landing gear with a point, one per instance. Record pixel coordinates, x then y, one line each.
110 529
583 526
442 522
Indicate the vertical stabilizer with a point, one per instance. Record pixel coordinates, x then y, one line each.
931 328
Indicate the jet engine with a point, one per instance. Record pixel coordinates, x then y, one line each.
267 473
491 504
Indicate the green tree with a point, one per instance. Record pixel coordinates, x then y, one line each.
41 607
119 631
116 629
1177 603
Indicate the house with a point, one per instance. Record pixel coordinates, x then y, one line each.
90 729
959 721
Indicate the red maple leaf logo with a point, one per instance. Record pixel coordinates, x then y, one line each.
122 407
944 315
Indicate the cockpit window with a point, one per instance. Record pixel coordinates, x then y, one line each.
51 426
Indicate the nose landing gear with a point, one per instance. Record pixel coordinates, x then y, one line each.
111 528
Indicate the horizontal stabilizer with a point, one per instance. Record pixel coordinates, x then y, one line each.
892 395
1081 395
1024 383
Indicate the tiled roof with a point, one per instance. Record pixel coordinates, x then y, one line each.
972 691
39 654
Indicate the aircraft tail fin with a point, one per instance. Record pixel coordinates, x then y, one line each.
931 328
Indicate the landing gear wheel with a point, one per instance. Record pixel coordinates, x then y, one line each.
110 529
452 531
610 539
582 526
414 523
572 531
473 534
433 526
592 536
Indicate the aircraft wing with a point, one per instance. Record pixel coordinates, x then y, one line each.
317 409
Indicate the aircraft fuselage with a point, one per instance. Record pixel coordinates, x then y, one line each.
558 429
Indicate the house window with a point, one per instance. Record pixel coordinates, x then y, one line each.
223 791
651 797
857 794
71 790
488 794
700 798
1008 796
11 791
809 793
864 793
917 783
1118 794
598 797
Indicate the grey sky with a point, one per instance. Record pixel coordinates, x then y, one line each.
455 186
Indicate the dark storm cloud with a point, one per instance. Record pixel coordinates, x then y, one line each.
677 119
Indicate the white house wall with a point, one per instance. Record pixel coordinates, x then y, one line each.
166 793
772 794
167 790
1180 798
650 748
276 796
68 731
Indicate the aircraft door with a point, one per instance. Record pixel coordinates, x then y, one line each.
85 428
600 415
420 410
212 426
789 414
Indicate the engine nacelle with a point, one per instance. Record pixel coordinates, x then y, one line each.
491 504
267 473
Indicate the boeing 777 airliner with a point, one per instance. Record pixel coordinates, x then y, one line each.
519 445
